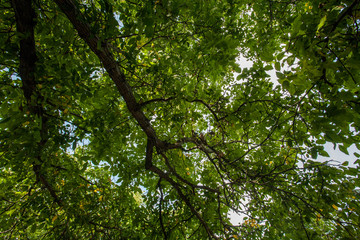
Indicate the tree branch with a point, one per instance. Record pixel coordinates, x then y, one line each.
24 15
102 50
343 14
25 24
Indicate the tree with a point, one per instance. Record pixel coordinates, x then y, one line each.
133 119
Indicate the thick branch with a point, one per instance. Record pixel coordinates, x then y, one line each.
25 14
102 50
25 24
42 179
149 153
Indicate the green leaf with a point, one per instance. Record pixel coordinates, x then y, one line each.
277 66
321 24
5 120
268 68
324 153
343 149
286 84
314 153
280 75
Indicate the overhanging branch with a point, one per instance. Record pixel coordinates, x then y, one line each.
102 50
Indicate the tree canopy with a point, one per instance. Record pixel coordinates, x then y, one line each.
134 119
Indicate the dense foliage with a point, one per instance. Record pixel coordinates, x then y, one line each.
134 119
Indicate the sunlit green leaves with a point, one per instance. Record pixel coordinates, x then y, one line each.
249 144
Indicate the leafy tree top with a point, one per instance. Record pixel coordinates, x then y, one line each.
133 119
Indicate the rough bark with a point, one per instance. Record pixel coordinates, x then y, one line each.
25 24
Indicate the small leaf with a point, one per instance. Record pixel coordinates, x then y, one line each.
268 68
280 56
290 60
322 22
286 84
324 153
335 207
343 149
54 218
5 120
280 75
277 66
